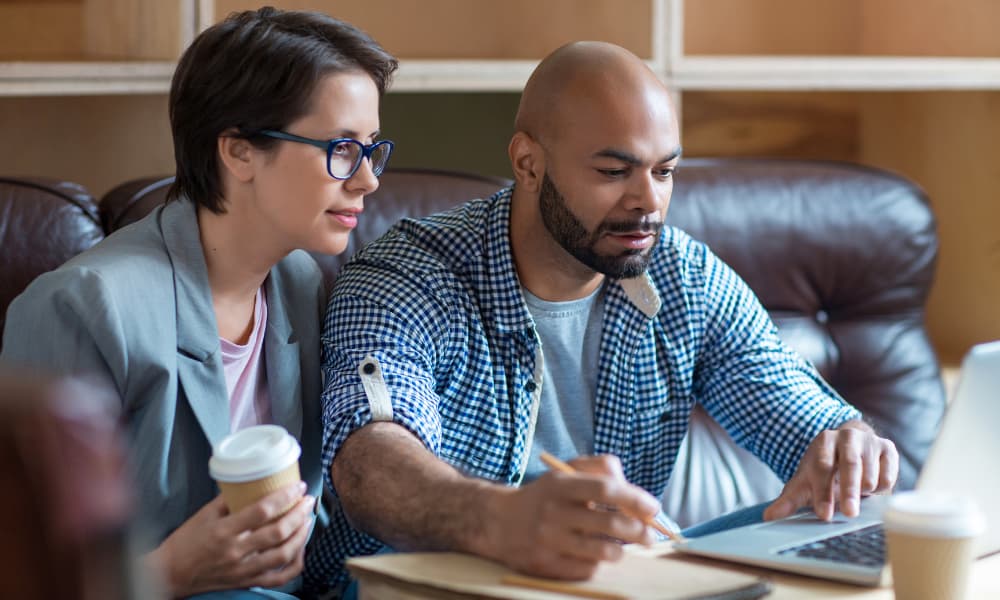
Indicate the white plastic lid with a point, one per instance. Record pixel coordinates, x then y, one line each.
253 453
934 515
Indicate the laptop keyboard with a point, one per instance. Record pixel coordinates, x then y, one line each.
865 547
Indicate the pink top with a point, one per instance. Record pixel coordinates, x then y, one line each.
246 373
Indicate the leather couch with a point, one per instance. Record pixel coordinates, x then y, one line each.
842 256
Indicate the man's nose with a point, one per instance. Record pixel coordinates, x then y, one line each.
648 194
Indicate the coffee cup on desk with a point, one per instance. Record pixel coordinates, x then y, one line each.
253 462
930 539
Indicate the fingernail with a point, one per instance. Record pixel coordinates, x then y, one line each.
302 487
851 507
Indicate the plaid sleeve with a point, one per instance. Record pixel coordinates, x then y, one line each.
378 313
769 399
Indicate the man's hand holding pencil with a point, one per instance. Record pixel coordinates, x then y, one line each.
565 523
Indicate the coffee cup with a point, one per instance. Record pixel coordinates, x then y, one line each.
253 462
930 539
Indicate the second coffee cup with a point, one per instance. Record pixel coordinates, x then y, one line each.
253 462
930 539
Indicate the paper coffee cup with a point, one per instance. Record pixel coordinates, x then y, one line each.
254 462
930 540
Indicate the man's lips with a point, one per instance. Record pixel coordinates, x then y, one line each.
636 240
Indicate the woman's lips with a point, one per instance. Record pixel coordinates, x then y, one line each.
347 218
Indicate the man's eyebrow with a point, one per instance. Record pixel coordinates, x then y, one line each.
673 155
625 157
632 159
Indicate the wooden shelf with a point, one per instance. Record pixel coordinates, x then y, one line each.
84 78
773 73
462 75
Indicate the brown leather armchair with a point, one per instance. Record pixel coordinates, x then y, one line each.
43 223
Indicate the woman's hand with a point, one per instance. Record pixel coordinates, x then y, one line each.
257 546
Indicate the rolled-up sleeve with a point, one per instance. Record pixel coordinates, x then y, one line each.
376 313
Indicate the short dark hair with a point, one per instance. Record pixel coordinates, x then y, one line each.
256 70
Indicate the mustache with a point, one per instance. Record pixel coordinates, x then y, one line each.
644 225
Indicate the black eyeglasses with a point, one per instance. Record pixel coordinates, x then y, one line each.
343 155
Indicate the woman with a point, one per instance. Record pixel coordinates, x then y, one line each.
205 315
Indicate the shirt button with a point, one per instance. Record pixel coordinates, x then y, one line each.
665 417
531 387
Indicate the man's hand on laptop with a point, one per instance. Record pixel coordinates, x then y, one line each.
840 467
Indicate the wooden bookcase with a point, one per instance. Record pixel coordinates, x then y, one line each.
908 85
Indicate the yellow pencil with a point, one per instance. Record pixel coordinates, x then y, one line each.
558 465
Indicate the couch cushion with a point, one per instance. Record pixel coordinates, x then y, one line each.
43 223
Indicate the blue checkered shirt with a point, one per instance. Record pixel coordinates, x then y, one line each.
438 303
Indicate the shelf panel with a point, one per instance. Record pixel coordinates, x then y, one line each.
84 78
460 29
843 73
462 75
465 75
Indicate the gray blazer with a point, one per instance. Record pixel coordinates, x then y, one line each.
136 312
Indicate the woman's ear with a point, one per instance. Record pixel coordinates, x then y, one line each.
527 161
236 156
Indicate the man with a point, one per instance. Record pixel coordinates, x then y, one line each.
562 315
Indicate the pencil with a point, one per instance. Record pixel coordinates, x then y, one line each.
558 465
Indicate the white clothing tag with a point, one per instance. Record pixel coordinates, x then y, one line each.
375 389
641 291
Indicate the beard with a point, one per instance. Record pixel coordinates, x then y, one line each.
570 233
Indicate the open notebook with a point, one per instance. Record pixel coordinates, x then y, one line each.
635 577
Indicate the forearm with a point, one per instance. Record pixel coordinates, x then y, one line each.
392 488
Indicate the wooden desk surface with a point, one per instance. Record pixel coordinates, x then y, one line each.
984 584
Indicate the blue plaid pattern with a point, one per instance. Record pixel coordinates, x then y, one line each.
437 301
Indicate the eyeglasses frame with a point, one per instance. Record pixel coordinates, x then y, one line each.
328 145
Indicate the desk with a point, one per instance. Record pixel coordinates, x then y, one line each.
985 584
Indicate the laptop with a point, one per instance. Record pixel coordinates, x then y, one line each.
853 550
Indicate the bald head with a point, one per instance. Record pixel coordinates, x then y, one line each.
586 80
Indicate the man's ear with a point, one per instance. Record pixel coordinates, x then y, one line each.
235 156
527 161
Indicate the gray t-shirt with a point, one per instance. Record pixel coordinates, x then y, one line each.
570 333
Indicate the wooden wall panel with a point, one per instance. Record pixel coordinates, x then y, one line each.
98 141
931 28
131 30
48 31
514 29
842 27
947 143
823 27
785 124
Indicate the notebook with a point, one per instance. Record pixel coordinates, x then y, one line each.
853 550
640 575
